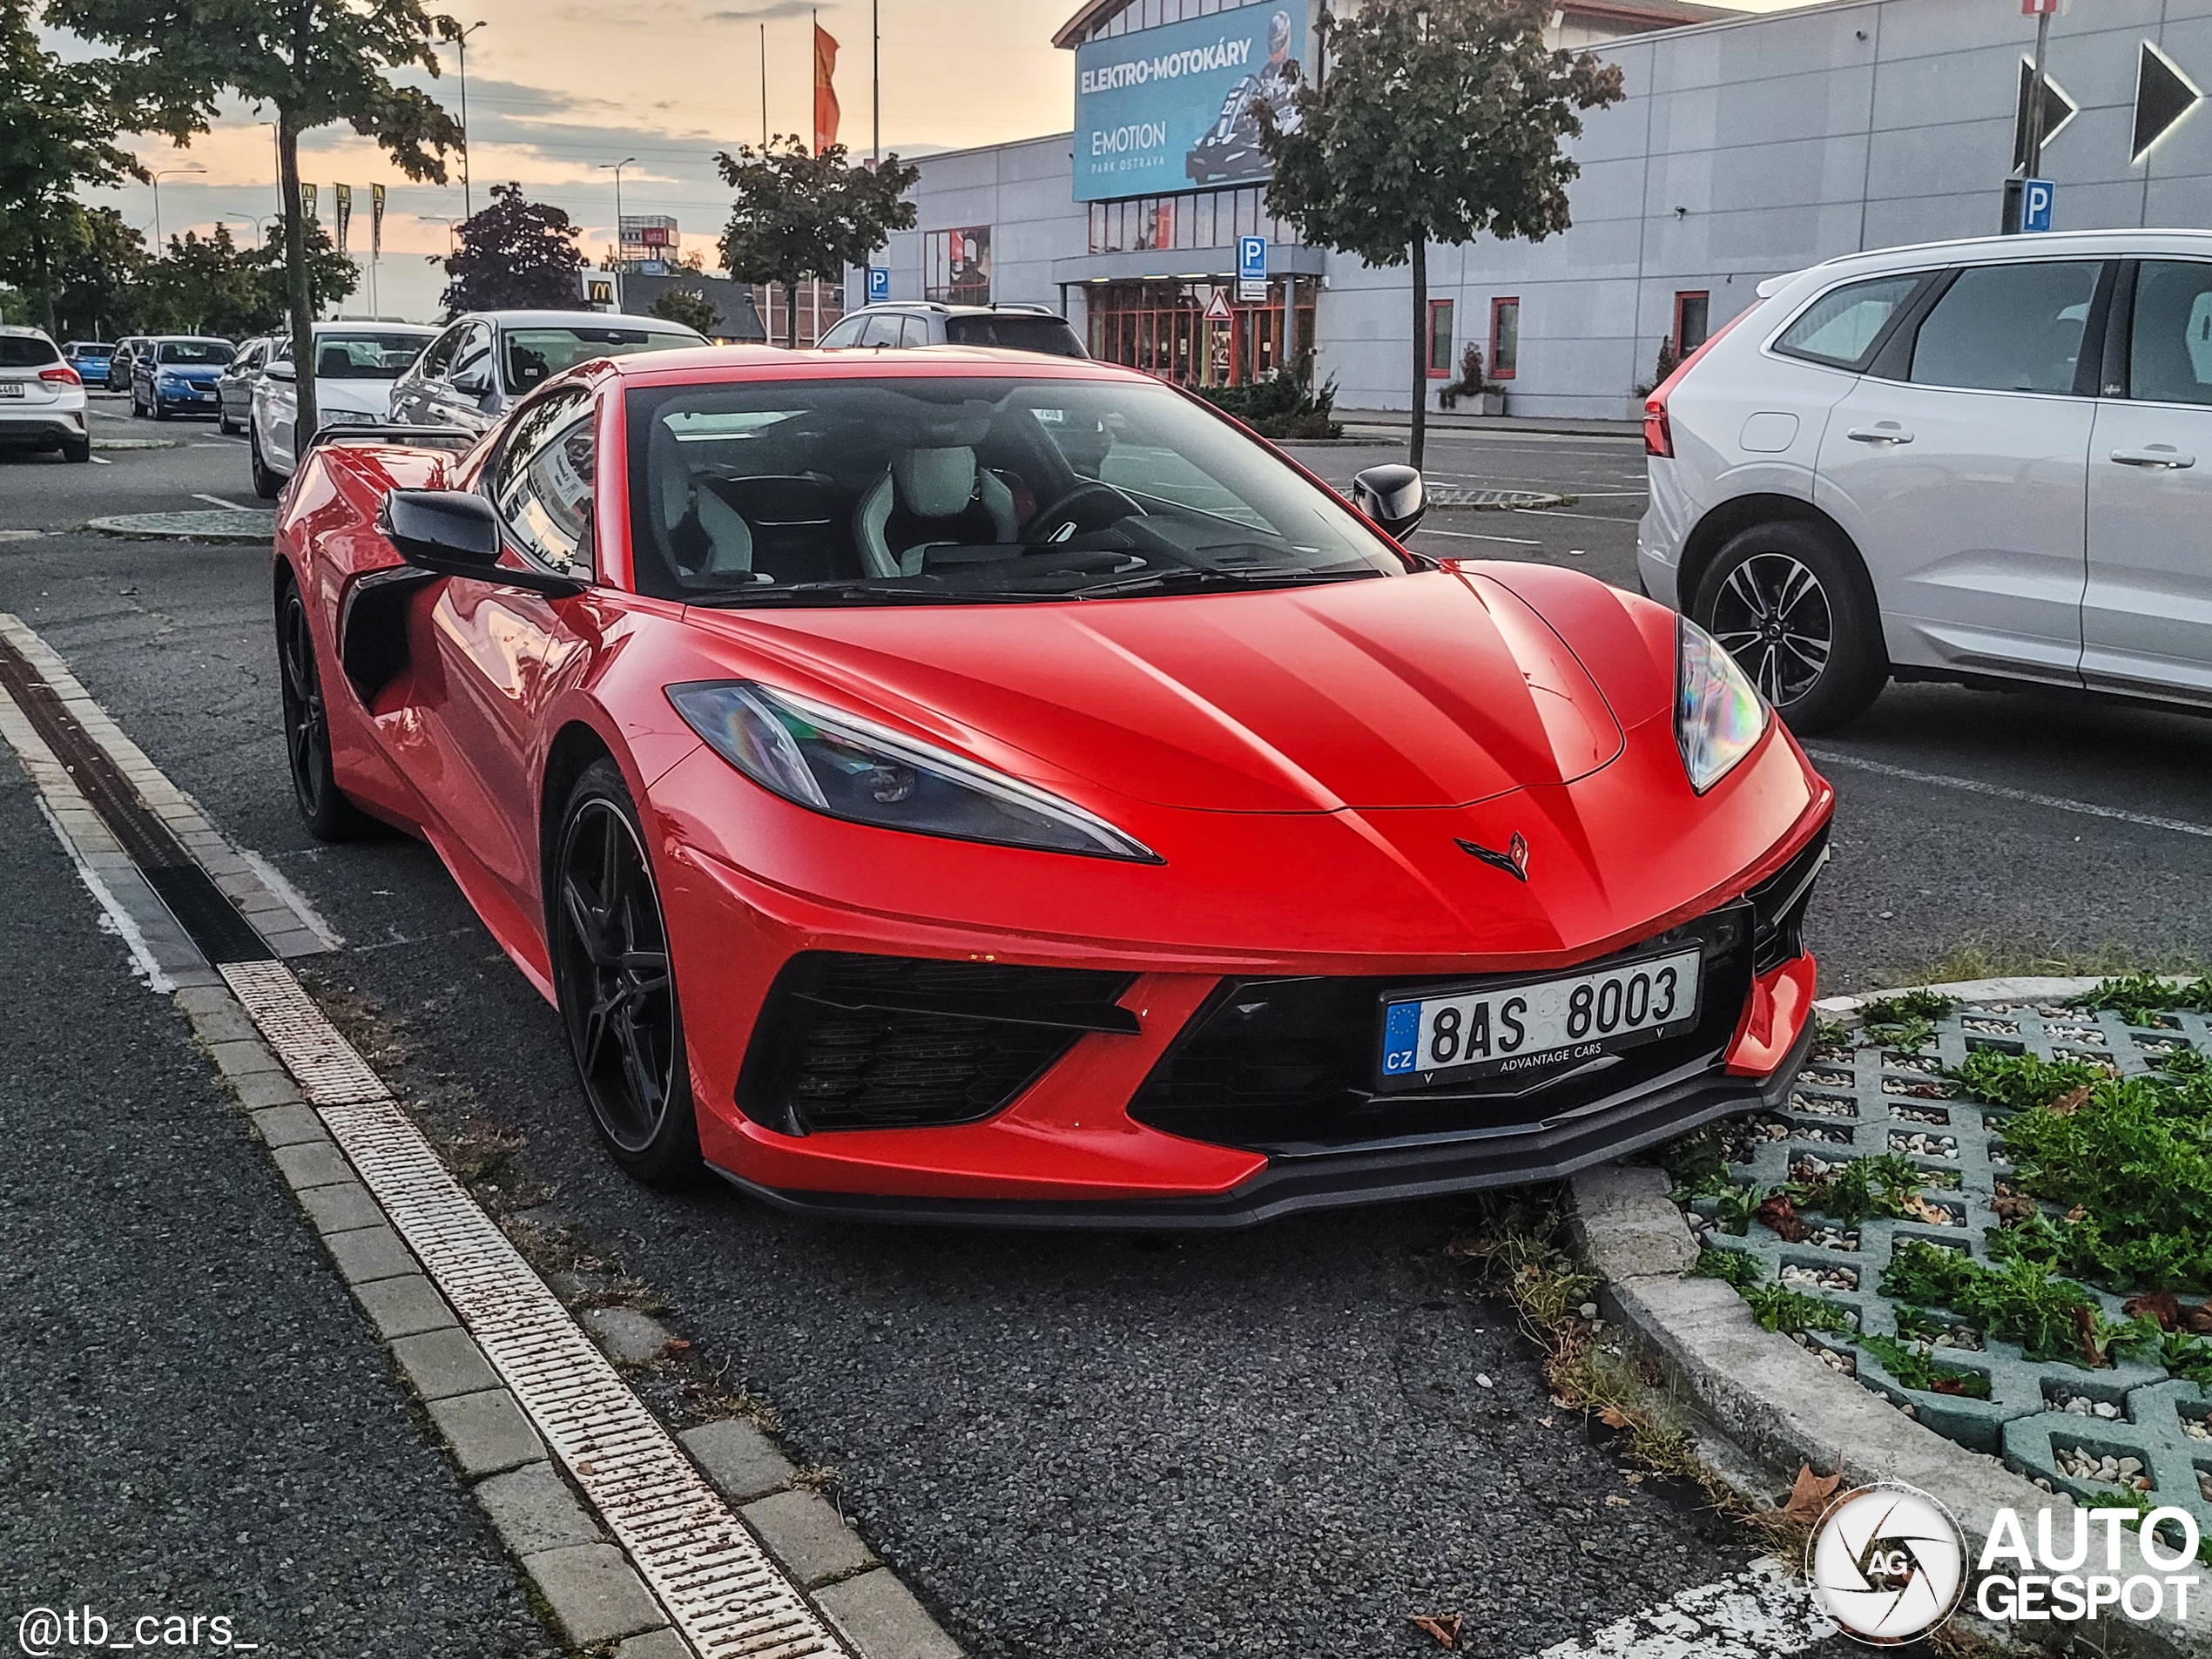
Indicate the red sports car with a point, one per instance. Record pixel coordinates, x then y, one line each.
967 785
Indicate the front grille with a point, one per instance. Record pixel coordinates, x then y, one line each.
1778 905
856 1042
1287 1066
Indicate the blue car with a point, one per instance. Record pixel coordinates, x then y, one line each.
176 373
90 358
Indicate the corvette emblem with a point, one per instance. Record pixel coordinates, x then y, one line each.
1514 861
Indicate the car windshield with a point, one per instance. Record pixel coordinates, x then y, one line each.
965 489
534 354
1047 334
366 355
193 351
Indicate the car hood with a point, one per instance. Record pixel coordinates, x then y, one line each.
191 371
364 397
1431 690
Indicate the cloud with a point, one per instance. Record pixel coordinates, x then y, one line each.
771 12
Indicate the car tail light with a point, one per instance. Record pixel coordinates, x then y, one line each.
62 375
1658 435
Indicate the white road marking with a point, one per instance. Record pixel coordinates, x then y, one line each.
1762 1612
217 501
102 461
1554 512
113 917
2001 792
1469 536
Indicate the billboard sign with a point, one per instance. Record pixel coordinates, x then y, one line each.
1172 108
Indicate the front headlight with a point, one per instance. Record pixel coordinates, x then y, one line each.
1719 714
845 766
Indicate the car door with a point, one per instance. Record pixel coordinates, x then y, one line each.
466 398
236 390
504 653
277 399
1957 464
413 396
2147 617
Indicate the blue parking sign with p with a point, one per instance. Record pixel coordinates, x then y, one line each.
1251 267
2037 198
879 283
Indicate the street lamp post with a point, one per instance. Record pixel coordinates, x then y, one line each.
459 36
159 174
616 167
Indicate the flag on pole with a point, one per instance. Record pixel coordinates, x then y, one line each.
825 111
343 194
376 222
307 201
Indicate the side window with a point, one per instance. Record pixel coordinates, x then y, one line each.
2007 328
1841 326
916 332
882 330
439 358
542 484
472 362
2169 346
846 334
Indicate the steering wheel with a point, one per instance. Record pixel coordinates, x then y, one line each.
1059 517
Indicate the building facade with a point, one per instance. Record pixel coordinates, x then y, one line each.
1745 146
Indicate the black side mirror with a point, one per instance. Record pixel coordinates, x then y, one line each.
474 383
451 532
1393 497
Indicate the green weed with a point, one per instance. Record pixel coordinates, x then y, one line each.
1736 1267
2019 1300
2020 1082
1778 1308
1916 1370
2136 996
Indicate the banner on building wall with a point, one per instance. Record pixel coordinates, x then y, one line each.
307 201
825 110
1175 108
376 222
342 195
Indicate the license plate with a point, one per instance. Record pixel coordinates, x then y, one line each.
10 388
1542 1026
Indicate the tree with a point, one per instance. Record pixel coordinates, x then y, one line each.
96 294
515 252
57 126
1436 120
331 276
316 61
799 215
214 286
690 308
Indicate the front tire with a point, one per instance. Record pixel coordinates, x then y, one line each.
1792 604
329 816
267 484
613 979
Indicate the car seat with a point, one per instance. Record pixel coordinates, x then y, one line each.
333 362
701 533
931 495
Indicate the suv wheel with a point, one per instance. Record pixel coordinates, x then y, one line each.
1791 602
267 484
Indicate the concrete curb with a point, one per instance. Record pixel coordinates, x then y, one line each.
1779 1405
2017 989
250 525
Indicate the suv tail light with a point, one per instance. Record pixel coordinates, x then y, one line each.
1658 435
62 375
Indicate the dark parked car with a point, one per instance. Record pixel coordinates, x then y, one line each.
126 352
234 385
484 361
90 358
929 322
178 373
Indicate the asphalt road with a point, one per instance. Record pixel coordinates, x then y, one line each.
1285 1440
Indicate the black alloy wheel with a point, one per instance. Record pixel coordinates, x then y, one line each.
267 484
329 815
1792 604
614 985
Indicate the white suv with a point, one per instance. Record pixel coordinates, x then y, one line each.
41 397
1972 461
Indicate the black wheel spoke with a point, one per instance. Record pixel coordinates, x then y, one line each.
616 985
1772 615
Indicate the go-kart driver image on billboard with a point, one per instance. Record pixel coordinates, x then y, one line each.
1228 150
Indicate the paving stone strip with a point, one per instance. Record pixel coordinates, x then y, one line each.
715 1554
1785 1405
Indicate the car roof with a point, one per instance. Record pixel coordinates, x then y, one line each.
522 317
2043 244
944 309
24 331
197 339
910 363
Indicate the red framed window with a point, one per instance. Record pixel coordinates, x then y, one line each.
1693 320
1505 338
1440 339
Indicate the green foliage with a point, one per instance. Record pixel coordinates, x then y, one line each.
1696 1165
212 285
2136 996
1732 1208
1438 120
2020 1082
1284 405
2018 1301
1738 1267
690 308
2186 1062
96 295
1863 1187
1778 1308
1831 1034
1916 1370
1907 1005
798 214
514 253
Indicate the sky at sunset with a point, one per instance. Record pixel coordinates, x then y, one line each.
558 88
